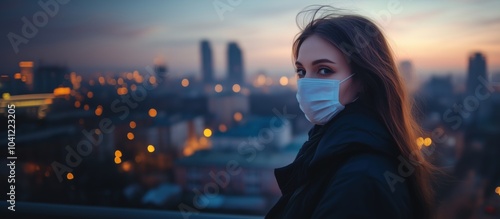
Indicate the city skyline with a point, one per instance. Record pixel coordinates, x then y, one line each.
126 38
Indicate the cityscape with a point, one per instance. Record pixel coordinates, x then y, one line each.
208 143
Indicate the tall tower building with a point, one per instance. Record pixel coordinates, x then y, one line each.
207 67
235 63
476 71
160 68
407 71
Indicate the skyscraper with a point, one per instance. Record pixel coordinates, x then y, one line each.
207 67
476 71
406 69
234 63
161 68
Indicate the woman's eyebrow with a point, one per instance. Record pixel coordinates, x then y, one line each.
315 62
321 61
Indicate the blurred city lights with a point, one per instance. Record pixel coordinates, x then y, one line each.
132 124
420 142
238 116
118 153
118 160
98 110
121 90
427 142
188 151
207 132
218 88
284 81
101 80
185 82
260 81
126 166
61 91
236 88
152 80
26 64
130 136
222 128
151 148
130 76
152 112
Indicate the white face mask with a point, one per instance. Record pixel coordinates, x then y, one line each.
319 98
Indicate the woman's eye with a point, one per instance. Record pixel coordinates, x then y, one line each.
301 73
324 71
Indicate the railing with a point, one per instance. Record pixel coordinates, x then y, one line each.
44 210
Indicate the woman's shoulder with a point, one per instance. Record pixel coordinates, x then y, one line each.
361 184
369 166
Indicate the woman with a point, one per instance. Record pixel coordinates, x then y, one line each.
361 159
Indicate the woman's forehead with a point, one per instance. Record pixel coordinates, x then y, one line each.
315 48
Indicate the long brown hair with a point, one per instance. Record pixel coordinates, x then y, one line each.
370 57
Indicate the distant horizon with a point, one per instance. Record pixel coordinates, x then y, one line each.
419 71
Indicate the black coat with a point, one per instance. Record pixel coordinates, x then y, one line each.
340 172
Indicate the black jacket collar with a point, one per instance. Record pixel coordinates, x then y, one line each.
357 124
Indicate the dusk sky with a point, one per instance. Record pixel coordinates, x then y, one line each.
437 36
